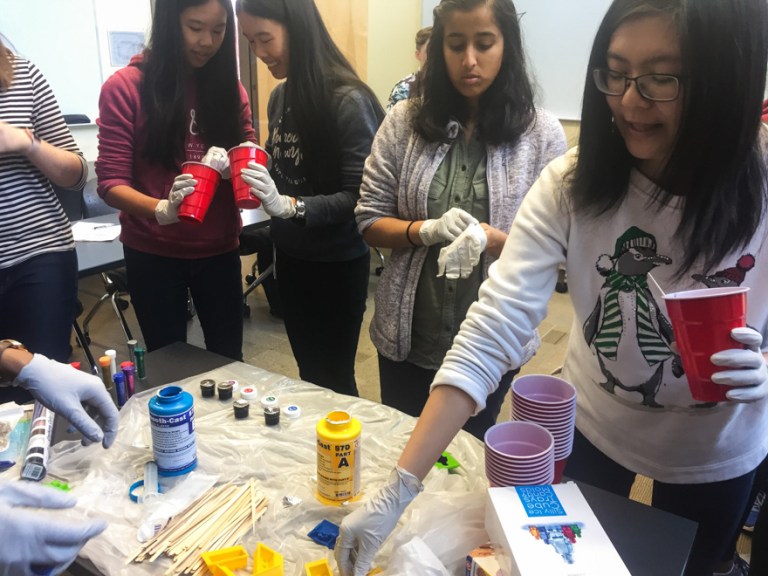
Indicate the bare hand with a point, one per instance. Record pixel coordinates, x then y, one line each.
13 140
495 240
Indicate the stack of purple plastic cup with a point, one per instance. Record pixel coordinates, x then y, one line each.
519 454
551 403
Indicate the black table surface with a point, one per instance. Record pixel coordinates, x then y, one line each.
651 542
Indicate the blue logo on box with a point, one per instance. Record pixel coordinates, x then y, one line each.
539 501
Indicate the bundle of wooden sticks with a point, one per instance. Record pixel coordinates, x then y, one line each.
217 520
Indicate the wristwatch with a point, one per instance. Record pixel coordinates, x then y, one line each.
5 345
301 208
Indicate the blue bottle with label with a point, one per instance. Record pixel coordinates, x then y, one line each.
172 417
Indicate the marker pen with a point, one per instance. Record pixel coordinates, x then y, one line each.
119 380
129 371
106 377
112 361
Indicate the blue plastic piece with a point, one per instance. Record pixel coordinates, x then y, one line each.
325 533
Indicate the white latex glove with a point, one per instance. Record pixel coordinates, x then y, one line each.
749 371
362 532
64 389
459 258
446 228
217 158
263 187
167 211
34 541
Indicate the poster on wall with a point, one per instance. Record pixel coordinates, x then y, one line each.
123 46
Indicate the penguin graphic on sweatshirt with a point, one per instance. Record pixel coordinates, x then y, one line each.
627 320
729 277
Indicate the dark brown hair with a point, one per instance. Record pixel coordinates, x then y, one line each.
506 109
6 67
717 163
422 37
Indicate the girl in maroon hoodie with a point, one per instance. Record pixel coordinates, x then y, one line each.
169 106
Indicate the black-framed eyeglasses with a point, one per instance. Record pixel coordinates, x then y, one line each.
654 87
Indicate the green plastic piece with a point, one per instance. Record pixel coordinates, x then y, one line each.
59 485
447 462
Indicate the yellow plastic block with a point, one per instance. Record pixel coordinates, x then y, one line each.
318 568
267 562
222 562
375 571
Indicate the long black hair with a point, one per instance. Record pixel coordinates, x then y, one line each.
716 164
506 109
164 88
316 70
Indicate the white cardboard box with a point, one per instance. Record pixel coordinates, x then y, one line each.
549 530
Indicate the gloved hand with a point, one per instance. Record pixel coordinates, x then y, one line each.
459 258
749 371
33 541
167 211
63 389
218 159
263 187
362 532
447 227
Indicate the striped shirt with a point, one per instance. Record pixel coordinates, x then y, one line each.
32 221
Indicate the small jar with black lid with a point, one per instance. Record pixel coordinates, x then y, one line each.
241 408
225 389
207 388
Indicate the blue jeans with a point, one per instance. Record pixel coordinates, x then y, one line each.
159 286
405 386
716 506
38 299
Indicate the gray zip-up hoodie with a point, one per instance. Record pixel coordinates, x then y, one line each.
396 181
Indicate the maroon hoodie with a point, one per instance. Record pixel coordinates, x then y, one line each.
122 125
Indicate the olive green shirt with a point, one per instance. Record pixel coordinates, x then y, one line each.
442 304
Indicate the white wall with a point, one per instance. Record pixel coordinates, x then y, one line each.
392 27
69 41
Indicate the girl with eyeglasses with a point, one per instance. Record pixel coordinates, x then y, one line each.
322 120
178 101
669 178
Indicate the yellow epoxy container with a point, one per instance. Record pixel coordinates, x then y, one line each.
338 458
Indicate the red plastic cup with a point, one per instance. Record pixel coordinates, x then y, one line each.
195 206
702 321
239 156
559 469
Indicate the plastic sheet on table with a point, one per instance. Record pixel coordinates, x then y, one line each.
448 517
